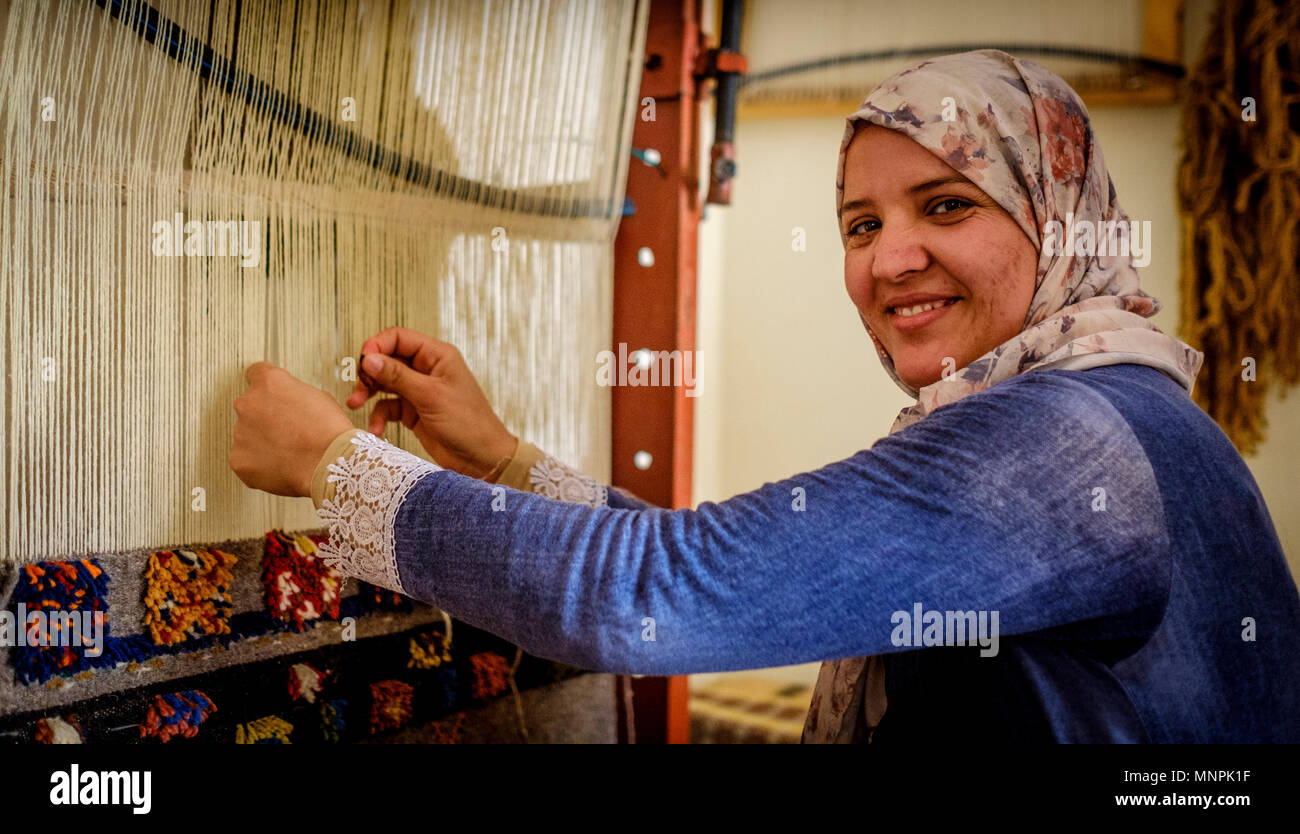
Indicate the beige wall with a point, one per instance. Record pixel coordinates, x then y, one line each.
789 379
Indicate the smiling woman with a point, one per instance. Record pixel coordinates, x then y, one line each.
958 207
940 273
1054 483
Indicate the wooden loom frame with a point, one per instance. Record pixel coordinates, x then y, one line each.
654 307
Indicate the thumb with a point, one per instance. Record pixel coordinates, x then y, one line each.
388 374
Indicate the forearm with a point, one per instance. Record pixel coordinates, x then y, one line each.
643 592
746 584
810 568
447 561
529 469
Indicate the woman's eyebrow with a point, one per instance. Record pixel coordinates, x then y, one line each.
935 183
863 202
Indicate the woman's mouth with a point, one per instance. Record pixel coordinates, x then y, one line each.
915 316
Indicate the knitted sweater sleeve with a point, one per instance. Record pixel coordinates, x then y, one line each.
1032 502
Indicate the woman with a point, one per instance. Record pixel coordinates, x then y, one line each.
1054 508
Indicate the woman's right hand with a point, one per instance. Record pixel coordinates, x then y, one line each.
438 398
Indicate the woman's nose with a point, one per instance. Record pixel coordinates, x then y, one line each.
899 251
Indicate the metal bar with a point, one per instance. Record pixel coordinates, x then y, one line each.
728 82
722 155
1099 55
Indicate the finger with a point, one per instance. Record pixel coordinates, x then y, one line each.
365 386
361 390
256 370
409 414
384 413
394 376
395 410
423 352
392 341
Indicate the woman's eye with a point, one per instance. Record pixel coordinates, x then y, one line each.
858 228
950 204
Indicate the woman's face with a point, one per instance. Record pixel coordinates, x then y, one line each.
920 233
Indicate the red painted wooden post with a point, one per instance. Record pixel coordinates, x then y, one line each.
654 307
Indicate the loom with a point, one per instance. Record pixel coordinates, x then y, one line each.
193 187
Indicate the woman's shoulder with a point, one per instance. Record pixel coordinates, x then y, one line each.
1157 411
1036 434
1046 457
1045 411
1078 388
1080 408
1122 428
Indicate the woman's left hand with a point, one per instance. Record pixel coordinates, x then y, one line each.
283 428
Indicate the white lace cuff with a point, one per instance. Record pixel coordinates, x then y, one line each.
553 479
532 470
370 485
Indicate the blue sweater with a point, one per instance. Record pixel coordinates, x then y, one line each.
1139 588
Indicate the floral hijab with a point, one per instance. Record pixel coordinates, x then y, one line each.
1021 135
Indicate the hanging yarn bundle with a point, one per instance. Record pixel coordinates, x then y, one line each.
55 730
1239 196
269 730
177 714
188 594
332 725
429 651
304 682
491 675
58 607
390 705
300 588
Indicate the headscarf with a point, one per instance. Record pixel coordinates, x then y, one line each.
1023 136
